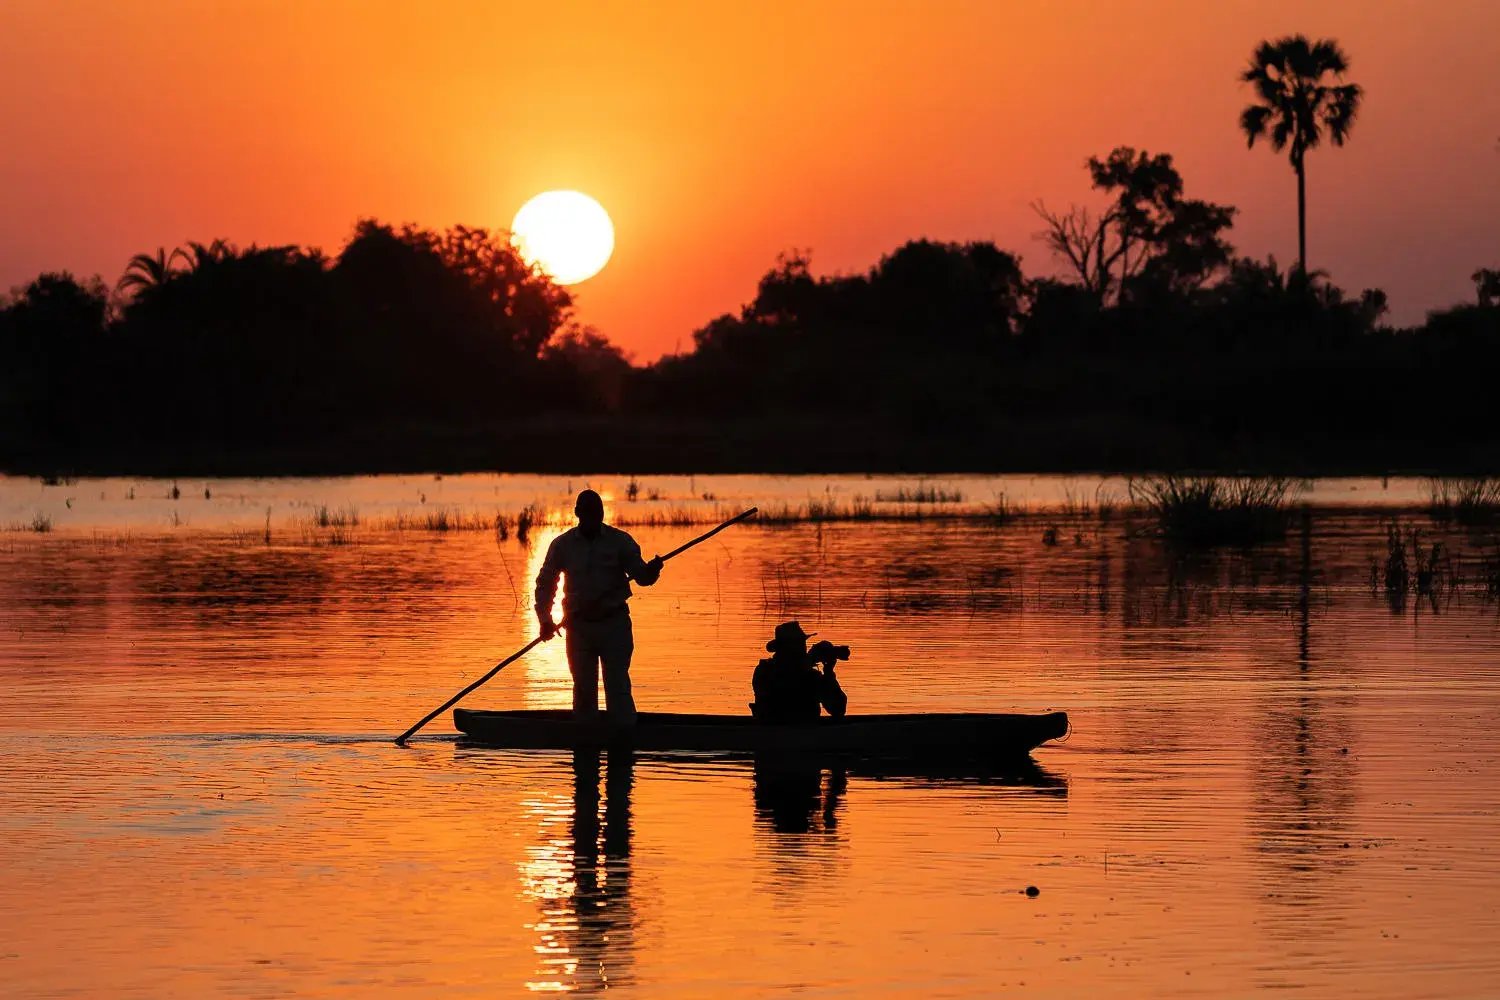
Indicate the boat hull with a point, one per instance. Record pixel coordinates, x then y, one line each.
985 736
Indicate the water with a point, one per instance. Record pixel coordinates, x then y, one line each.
1278 779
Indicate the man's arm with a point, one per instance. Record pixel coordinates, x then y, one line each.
642 572
832 696
546 588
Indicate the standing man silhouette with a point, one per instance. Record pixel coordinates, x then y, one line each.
599 562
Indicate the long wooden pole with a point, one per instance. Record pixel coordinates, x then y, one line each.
401 740
709 534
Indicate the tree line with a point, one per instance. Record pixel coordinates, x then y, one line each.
412 348
214 347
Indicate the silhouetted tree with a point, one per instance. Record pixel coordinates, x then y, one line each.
591 372
1296 105
1260 300
464 317
521 304
787 293
51 333
1149 235
948 294
233 349
148 270
1487 286
199 254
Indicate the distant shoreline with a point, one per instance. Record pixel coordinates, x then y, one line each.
658 446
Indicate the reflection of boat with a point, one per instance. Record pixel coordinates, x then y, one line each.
992 737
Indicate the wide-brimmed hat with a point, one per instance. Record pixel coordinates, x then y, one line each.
788 632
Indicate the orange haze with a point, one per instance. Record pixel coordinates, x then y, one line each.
717 136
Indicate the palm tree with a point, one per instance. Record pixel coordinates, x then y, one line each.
199 254
148 270
1297 105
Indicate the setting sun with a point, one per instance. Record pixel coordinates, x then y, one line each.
565 233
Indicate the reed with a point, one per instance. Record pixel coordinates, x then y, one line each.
529 517
1489 573
1002 510
1412 565
112 540
1465 499
670 517
921 493
343 517
1077 505
1216 510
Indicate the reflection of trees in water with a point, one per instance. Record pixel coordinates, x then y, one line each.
1302 786
1160 585
587 924
1117 568
1301 826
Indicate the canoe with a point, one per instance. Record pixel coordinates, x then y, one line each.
976 735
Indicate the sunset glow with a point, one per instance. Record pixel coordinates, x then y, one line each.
1017 514
945 122
565 233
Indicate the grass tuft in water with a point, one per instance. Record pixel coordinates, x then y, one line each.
1410 565
529 517
921 493
343 517
1217 510
1465 499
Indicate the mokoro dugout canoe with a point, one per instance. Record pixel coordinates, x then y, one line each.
989 736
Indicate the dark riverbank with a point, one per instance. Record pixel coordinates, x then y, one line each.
643 445
420 351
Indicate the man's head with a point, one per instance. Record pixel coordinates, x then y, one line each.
790 639
590 512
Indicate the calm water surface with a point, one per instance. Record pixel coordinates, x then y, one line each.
1278 778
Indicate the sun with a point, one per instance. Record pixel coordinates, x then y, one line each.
565 233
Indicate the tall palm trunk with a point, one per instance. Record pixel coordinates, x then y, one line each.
1302 216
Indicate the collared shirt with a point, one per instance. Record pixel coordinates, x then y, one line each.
599 571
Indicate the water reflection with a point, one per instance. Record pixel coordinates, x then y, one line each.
586 928
791 795
1304 788
803 794
1214 696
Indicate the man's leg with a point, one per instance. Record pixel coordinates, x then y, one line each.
616 644
583 664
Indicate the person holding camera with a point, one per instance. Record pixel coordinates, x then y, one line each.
789 686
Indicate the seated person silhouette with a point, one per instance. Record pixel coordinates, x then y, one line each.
788 685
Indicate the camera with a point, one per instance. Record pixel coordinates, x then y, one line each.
827 653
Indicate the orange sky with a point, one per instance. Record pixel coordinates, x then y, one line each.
718 135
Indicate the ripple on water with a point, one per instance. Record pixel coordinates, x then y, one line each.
1276 779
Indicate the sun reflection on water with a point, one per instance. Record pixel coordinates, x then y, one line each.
548 683
577 870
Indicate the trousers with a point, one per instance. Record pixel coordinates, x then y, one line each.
610 643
